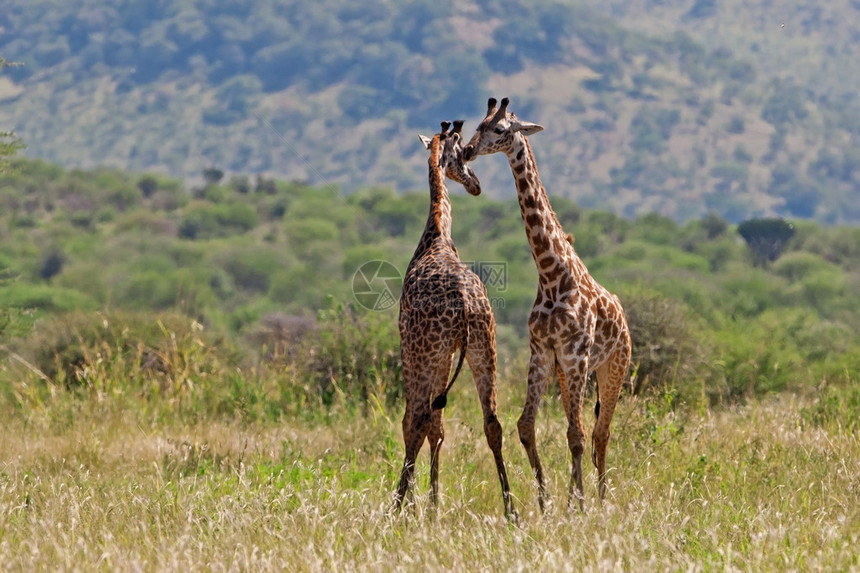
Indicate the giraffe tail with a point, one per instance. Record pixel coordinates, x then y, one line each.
442 399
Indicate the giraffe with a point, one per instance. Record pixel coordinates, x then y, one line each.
576 326
443 307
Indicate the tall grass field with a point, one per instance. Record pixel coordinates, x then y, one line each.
103 478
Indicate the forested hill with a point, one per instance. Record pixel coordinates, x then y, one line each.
642 114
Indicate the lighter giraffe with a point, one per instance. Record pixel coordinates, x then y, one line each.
575 327
444 307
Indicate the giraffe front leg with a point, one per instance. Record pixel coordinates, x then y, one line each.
539 370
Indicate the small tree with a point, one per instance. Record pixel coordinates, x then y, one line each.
714 225
52 264
147 185
766 238
9 145
9 142
212 175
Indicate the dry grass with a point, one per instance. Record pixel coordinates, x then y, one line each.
754 489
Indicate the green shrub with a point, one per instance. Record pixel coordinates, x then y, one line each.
76 348
356 256
149 288
252 268
43 297
303 233
290 285
87 277
203 221
750 292
655 229
824 287
835 407
353 358
146 221
758 356
666 349
795 266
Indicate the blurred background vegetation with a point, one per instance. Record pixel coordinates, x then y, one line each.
203 180
676 107
237 293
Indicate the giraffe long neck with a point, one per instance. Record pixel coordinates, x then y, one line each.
438 226
548 241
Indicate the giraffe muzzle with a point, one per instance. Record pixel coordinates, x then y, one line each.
469 152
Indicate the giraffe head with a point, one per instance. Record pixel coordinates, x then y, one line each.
450 156
497 131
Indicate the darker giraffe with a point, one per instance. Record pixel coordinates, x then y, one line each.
444 307
576 326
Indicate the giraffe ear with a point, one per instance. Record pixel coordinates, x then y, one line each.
525 127
425 140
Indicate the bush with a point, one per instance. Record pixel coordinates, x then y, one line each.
835 407
347 358
796 266
357 357
735 124
655 229
304 232
153 289
666 352
766 354
252 268
204 221
51 264
72 349
146 221
43 297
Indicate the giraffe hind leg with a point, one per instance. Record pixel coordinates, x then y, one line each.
436 431
610 377
417 421
596 417
413 438
575 369
482 361
435 436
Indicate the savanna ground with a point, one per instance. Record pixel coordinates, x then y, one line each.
87 484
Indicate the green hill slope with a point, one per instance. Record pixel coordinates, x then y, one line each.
651 120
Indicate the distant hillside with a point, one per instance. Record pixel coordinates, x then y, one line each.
812 43
642 114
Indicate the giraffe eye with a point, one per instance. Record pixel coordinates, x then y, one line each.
499 129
